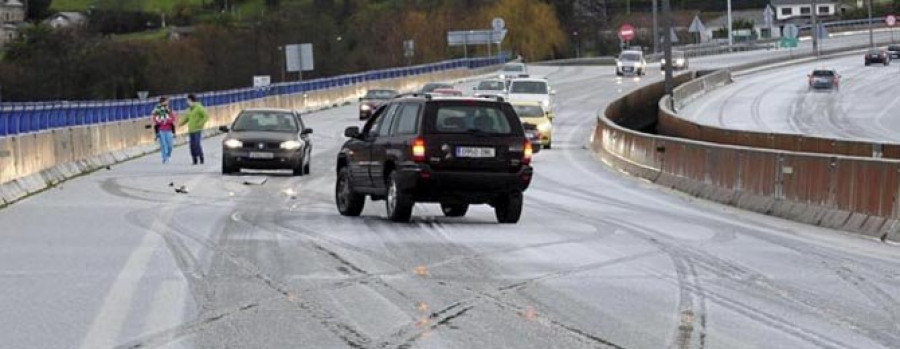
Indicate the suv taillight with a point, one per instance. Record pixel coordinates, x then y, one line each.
418 150
527 153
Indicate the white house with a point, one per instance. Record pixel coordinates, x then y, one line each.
788 9
12 15
66 20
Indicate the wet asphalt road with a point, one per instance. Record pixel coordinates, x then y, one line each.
117 259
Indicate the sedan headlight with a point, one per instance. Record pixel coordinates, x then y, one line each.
365 107
291 145
618 63
679 61
545 127
233 143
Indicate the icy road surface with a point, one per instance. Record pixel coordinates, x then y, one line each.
866 107
118 259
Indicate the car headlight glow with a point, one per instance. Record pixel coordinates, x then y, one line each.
233 143
365 107
503 76
679 61
291 145
545 127
618 63
545 103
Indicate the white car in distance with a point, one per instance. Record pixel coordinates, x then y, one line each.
531 90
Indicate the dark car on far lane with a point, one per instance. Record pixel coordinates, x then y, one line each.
455 151
267 139
824 78
877 55
372 100
431 86
894 51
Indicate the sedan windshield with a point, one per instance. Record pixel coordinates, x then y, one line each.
529 111
893 48
514 67
491 86
266 122
380 94
538 87
432 87
630 57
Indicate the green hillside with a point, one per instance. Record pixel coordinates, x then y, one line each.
145 5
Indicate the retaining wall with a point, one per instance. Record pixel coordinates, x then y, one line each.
848 193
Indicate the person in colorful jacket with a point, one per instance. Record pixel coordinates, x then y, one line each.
195 119
164 122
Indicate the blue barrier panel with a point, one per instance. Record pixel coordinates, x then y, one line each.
14 121
57 117
25 120
5 113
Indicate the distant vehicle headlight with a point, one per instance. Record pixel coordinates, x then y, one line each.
233 143
503 76
679 61
365 107
545 127
291 145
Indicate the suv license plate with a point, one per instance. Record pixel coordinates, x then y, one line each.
262 155
475 152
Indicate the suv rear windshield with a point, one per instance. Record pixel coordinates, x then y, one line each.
528 87
826 73
893 48
470 117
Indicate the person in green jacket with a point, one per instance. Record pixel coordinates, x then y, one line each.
196 119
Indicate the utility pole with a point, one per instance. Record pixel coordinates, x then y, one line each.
730 29
815 29
871 37
667 44
655 34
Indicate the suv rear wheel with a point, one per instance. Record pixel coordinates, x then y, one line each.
509 208
399 204
349 202
454 210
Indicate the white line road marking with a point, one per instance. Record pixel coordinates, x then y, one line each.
104 330
167 307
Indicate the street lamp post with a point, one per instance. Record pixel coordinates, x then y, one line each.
871 36
815 28
655 35
577 45
667 44
730 29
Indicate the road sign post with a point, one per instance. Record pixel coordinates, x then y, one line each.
626 33
891 21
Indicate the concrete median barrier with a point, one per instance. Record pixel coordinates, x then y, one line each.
848 193
32 162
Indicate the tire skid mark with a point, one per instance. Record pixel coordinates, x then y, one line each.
729 271
347 333
409 334
878 296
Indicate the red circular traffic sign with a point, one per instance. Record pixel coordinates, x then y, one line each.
890 20
626 32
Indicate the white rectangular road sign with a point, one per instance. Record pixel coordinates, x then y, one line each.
299 57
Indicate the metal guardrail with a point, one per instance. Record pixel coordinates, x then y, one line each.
27 117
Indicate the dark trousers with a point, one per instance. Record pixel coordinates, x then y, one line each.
196 148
